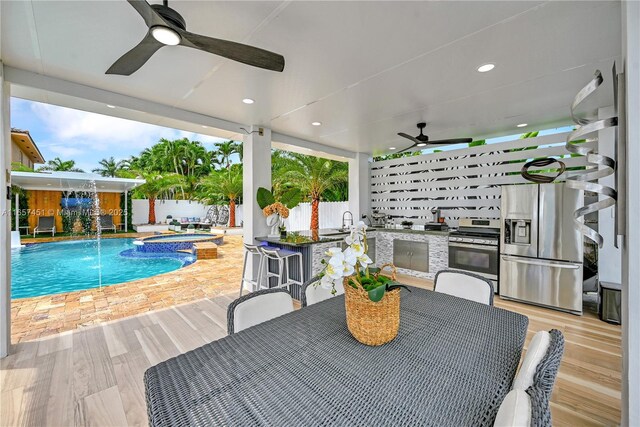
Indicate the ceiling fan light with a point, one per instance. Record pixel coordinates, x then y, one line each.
486 67
165 35
422 144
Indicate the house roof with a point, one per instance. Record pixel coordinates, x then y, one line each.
72 181
23 139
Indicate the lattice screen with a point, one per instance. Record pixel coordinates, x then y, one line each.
462 183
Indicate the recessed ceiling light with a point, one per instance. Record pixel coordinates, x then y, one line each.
111 106
392 148
486 67
422 144
205 126
165 35
49 185
521 125
248 101
316 123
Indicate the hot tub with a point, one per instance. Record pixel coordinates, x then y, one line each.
175 242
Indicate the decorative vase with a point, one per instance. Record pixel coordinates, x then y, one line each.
273 222
371 323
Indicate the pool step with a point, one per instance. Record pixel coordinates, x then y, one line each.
186 251
206 250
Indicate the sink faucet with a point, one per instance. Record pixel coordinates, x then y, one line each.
345 219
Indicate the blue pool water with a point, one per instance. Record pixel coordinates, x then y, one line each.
52 268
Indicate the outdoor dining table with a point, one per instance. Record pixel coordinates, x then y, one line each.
451 364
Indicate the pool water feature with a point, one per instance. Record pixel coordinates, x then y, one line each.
52 268
174 242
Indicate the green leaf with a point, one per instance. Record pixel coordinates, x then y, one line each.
292 198
396 286
265 197
477 143
376 294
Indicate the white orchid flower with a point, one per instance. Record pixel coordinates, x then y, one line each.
333 251
358 248
354 237
364 260
334 272
350 256
348 270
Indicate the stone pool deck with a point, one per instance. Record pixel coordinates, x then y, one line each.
37 317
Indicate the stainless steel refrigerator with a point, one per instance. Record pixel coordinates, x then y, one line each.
541 249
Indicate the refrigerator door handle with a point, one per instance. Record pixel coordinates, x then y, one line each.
541 262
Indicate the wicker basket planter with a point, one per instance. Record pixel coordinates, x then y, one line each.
372 323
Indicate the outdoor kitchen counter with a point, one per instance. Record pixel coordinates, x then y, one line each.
417 253
429 251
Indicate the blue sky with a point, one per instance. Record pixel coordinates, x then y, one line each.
88 138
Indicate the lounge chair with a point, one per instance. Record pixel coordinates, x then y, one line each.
106 223
223 215
46 224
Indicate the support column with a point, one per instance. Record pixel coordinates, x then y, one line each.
126 211
17 214
256 161
5 222
360 186
609 257
631 244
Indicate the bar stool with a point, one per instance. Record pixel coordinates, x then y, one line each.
255 282
283 258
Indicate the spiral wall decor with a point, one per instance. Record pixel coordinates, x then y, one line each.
601 166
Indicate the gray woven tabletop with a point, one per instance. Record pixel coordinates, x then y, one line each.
452 363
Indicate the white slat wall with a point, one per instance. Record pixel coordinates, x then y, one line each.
463 183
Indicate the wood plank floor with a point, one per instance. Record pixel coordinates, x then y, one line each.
93 376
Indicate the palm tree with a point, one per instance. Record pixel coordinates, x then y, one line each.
109 167
314 176
59 165
157 184
225 150
225 184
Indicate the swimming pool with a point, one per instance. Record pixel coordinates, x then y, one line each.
52 268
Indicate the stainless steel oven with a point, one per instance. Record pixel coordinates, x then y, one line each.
475 248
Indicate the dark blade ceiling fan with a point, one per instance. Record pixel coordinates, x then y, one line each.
168 28
422 140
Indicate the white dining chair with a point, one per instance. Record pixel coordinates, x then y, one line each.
538 371
258 307
514 411
313 292
464 285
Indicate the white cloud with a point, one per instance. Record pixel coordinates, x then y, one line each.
96 130
66 151
89 137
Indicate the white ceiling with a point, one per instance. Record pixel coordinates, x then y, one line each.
366 70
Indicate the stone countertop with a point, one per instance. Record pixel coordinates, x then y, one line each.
325 236
405 231
333 235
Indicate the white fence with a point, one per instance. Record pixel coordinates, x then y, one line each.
299 217
462 183
330 214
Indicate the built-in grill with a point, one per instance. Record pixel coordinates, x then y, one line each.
475 247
